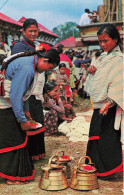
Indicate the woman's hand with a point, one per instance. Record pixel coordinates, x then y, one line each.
104 108
26 126
28 115
91 69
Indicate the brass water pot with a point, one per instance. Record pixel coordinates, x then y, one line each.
53 176
84 176
65 162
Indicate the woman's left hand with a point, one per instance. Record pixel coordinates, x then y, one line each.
26 126
104 108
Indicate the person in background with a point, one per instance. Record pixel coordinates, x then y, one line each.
2 51
85 19
63 82
3 54
84 70
105 88
87 78
15 121
73 86
7 49
94 17
88 55
13 43
64 59
78 66
36 142
53 107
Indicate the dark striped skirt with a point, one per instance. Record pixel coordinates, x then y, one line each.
104 146
36 141
15 161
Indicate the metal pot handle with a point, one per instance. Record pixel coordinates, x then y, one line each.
83 158
46 170
60 152
47 174
50 160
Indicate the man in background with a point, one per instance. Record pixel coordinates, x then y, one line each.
85 18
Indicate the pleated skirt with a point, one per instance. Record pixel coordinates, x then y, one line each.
15 160
104 146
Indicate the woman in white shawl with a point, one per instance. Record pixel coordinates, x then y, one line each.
105 87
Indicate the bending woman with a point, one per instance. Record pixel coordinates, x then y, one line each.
106 92
20 77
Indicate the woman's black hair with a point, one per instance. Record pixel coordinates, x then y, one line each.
49 86
28 22
111 31
13 57
51 54
62 65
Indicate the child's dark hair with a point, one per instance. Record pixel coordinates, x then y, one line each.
49 86
28 22
62 65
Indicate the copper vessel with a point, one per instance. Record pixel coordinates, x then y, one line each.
84 176
65 162
53 176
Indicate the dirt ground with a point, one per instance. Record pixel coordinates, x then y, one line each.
55 144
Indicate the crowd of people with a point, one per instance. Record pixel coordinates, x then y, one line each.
38 89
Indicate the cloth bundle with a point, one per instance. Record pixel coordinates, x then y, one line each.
77 130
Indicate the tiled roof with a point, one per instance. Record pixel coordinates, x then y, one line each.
43 29
9 20
69 42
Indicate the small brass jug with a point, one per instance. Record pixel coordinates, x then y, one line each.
84 176
64 160
53 176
